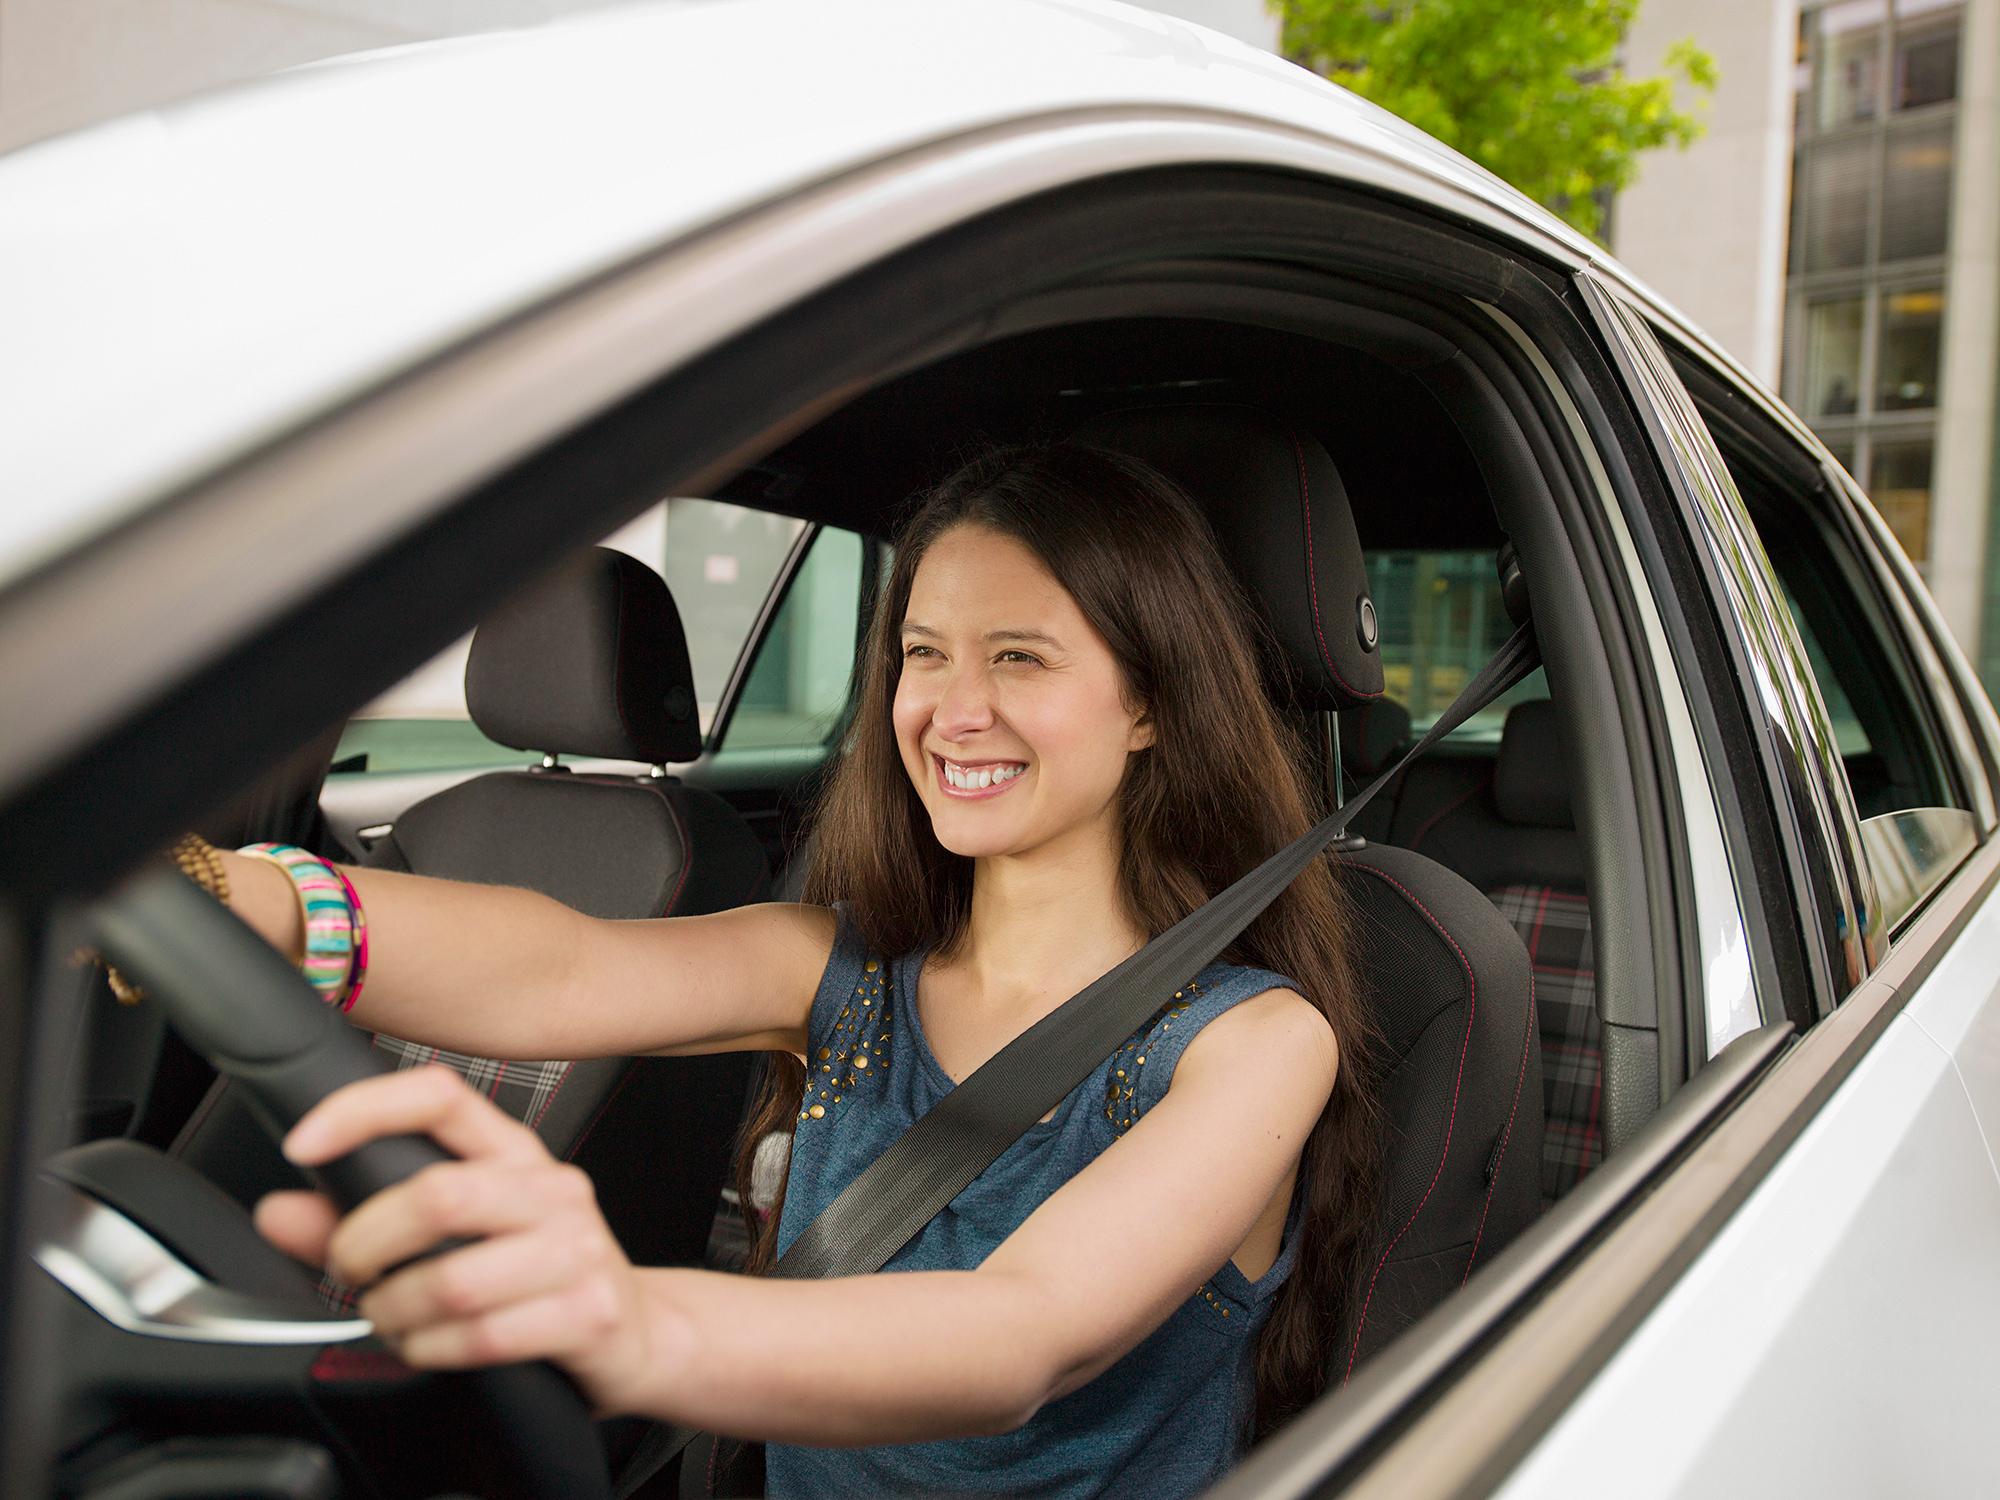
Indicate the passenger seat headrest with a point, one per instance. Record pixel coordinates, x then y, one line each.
1373 734
1531 778
1280 512
590 661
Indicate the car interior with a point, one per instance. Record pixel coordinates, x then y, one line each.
1478 869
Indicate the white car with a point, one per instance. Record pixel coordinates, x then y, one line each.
302 381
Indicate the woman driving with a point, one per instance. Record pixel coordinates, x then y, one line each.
1061 747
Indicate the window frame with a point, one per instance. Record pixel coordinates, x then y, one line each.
1832 890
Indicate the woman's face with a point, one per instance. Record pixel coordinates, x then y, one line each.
1010 710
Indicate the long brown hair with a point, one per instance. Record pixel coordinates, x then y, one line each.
1220 788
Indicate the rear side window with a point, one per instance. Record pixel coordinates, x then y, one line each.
1441 619
719 560
1890 731
797 688
1881 723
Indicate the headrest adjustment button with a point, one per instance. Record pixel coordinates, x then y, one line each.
1364 623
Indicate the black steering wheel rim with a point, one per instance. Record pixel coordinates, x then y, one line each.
258 1023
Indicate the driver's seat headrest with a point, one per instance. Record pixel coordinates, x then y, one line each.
1280 513
589 661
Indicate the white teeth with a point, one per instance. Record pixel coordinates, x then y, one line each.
979 780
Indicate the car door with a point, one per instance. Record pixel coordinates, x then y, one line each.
1827 1335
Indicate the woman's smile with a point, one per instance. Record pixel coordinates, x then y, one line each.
970 780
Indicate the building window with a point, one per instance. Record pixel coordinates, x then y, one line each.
1876 119
1835 190
1907 361
1833 357
1899 482
1916 192
1926 58
1848 73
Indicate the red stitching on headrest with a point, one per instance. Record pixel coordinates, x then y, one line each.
1312 574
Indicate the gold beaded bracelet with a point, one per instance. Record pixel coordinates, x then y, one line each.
201 862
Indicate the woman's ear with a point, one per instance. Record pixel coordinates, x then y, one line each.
1142 732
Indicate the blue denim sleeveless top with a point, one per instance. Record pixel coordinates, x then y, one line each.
1170 1417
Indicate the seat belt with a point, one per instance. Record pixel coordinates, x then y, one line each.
937 1158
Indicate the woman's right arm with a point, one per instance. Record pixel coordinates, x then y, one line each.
496 971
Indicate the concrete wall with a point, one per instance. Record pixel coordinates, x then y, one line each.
1963 563
1706 227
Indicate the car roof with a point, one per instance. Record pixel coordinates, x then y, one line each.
181 286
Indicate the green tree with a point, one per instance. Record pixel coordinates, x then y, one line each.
1532 92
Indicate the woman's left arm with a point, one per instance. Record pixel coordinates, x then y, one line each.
851 1361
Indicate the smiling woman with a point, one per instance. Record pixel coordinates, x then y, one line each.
1032 790
1035 636
980 701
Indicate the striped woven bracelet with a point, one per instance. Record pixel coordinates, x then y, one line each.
329 918
358 970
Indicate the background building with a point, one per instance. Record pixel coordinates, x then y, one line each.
1846 248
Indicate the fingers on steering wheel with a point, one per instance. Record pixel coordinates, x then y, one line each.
550 1326
298 1223
481 1278
452 1200
431 1100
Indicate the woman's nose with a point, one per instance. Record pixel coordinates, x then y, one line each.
965 706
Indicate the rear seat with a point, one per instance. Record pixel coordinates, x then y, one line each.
1505 825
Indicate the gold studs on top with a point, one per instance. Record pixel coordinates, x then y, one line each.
1122 1085
852 1052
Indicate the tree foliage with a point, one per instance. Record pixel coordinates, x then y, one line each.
1533 92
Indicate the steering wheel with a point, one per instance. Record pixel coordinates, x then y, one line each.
256 1020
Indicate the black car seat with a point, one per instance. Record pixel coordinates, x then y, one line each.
1505 825
1446 978
592 662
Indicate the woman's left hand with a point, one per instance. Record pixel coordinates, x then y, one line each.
546 1281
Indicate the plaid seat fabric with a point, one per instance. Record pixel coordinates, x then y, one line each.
524 1090
1555 926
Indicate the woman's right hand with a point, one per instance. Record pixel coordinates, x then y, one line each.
545 1278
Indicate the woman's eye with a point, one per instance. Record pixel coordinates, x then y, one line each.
918 650
1033 661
